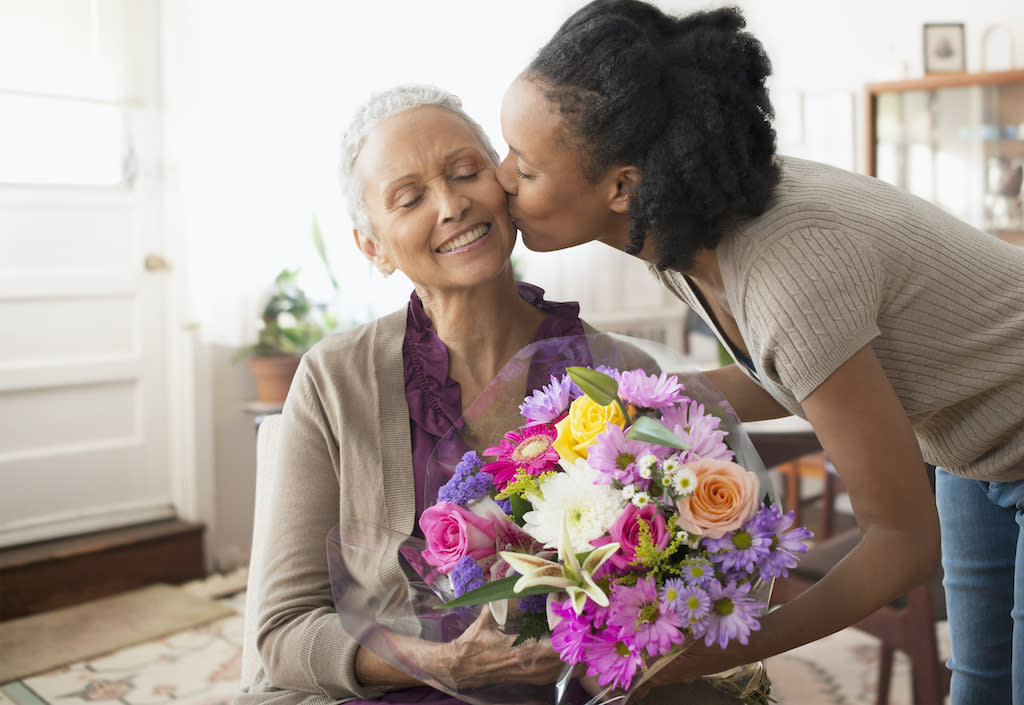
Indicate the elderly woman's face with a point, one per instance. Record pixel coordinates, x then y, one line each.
437 209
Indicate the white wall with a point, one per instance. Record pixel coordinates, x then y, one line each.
258 92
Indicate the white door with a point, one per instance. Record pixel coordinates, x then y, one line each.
83 390
83 401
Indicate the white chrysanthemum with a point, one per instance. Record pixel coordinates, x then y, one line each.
591 508
671 463
648 462
628 491
641 499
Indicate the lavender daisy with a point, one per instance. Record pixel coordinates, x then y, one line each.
637 611
548 403
699 430
641 390
698 570
786 542
733 614
616 457
742 549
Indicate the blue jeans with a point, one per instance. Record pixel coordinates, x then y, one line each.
983 559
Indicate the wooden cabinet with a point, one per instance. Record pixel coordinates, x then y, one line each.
956 140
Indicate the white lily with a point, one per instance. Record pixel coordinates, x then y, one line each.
567 574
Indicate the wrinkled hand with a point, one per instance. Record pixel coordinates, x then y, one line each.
483 655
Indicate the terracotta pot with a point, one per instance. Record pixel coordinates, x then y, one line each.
273 375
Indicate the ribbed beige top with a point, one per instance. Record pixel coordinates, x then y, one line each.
841 260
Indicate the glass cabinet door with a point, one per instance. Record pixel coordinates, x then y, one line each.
957 141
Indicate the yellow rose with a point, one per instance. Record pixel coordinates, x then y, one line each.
579 429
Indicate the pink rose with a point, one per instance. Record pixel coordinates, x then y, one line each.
626 531
452 532
725 497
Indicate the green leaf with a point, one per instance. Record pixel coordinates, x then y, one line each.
648 430
520 506
497 590
596 385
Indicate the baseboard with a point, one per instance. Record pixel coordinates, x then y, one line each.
63 572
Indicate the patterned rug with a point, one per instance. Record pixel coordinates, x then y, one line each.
201 666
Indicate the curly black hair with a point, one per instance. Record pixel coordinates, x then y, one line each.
681 98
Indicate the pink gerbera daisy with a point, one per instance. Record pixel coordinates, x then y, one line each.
528 449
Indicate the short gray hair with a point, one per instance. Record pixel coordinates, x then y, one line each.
378 108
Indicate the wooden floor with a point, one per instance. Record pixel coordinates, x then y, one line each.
53 574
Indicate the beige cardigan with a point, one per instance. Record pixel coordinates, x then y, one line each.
346 411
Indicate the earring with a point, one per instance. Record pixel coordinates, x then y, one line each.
386 270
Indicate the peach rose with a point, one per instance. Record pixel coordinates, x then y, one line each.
725 497
580 427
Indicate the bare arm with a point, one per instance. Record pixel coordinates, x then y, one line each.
748 399
868 437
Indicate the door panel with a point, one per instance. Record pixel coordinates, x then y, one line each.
82 369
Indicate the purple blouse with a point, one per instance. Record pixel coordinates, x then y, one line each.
434 398
435 406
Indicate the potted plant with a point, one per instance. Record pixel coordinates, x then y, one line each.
292 324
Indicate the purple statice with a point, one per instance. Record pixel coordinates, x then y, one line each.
466 575
468 483
646 391
699 431
569 637
787 543
613 657
733 614
637 611
616 457
742 549
534 604
505 504
698 570
548 403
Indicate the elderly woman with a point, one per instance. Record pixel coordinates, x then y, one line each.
368 406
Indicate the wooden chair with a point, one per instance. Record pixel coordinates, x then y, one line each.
907 624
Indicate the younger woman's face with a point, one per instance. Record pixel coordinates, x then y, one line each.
551 202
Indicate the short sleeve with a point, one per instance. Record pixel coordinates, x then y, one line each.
810 299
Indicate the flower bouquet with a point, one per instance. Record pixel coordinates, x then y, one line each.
624 516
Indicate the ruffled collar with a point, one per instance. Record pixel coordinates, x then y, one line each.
435 399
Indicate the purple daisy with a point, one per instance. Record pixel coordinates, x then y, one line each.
616 457
641 390
699 430
787 543
733 614
548 403
742 549
699 571
613 657
529 449
569 637
637 611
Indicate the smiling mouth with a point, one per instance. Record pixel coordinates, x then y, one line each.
464 239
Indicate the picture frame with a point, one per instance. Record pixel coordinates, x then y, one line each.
944 48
